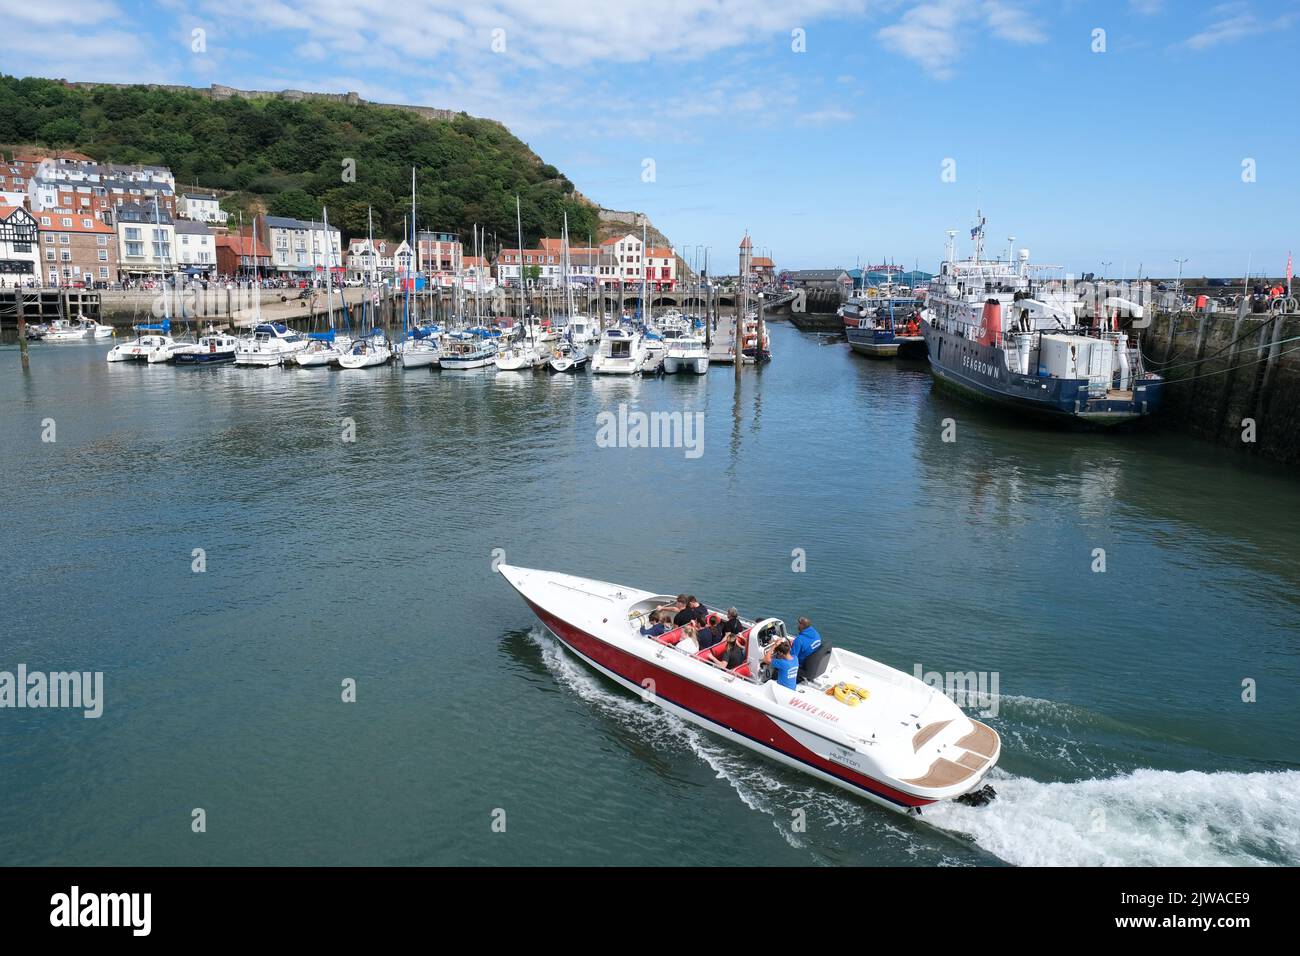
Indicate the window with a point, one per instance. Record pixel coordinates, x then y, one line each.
135 250
64 239
49 255
101 240
88 223
103 272
132 233
103 255
65 256
45 220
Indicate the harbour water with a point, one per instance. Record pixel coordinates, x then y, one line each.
1120 693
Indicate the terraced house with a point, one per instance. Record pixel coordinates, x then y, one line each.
145 240
18 246
76 249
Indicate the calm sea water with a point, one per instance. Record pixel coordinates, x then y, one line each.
1126 739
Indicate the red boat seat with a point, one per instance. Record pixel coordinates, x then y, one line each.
670 637
742 670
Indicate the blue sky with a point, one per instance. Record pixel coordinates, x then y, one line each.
828 154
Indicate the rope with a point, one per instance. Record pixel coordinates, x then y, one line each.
1233 368
1243 335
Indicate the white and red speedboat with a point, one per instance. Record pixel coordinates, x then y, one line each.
856 723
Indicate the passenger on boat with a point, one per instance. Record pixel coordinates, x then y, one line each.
658 625
785 668
692 612
731 624
689 642
733 655
912 328
808 649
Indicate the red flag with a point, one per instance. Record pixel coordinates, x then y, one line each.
1288 273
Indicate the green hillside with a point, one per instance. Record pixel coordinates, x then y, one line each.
288 155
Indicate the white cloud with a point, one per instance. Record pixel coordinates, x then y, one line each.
1237 21
930 33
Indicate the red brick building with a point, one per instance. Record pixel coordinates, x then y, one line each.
76 248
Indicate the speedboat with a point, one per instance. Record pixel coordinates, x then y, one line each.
367 352
150 340
854 722
212 348
271 343
621 352
686 353
568 357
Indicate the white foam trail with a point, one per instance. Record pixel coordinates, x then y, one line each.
1143 818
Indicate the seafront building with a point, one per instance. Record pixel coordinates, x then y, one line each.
196 249
145 240
18 246
77 249
239 255
301 249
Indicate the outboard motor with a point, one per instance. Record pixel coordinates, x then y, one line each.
977 798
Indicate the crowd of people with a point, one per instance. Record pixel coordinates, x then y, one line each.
726 636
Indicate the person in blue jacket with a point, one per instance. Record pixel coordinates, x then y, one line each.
806 641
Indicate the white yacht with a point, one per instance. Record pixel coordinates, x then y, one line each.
150 340
520 356
270 343
368 351
462 351
323 350
621 352
686 353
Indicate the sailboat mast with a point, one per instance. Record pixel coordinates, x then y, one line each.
329 278
519 226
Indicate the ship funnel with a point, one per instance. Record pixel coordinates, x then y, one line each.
992 322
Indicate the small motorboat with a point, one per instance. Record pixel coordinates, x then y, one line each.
212 348
686 353
61 330
854 722
150 340
463 350
368 351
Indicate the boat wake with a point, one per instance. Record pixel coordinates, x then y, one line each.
1134 818
1141 818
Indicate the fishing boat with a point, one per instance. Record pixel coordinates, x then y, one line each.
270 343
753 351
885 335
569 357
150 339
368 351
686 353
212 348
621 352
854 722
1000 333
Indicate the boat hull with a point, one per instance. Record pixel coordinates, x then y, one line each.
978 372
733 719
205 358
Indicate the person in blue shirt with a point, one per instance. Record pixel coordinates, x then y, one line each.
785 668
806 641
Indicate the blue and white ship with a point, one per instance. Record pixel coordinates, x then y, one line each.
997 332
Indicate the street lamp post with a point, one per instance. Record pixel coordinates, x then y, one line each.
1179 300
